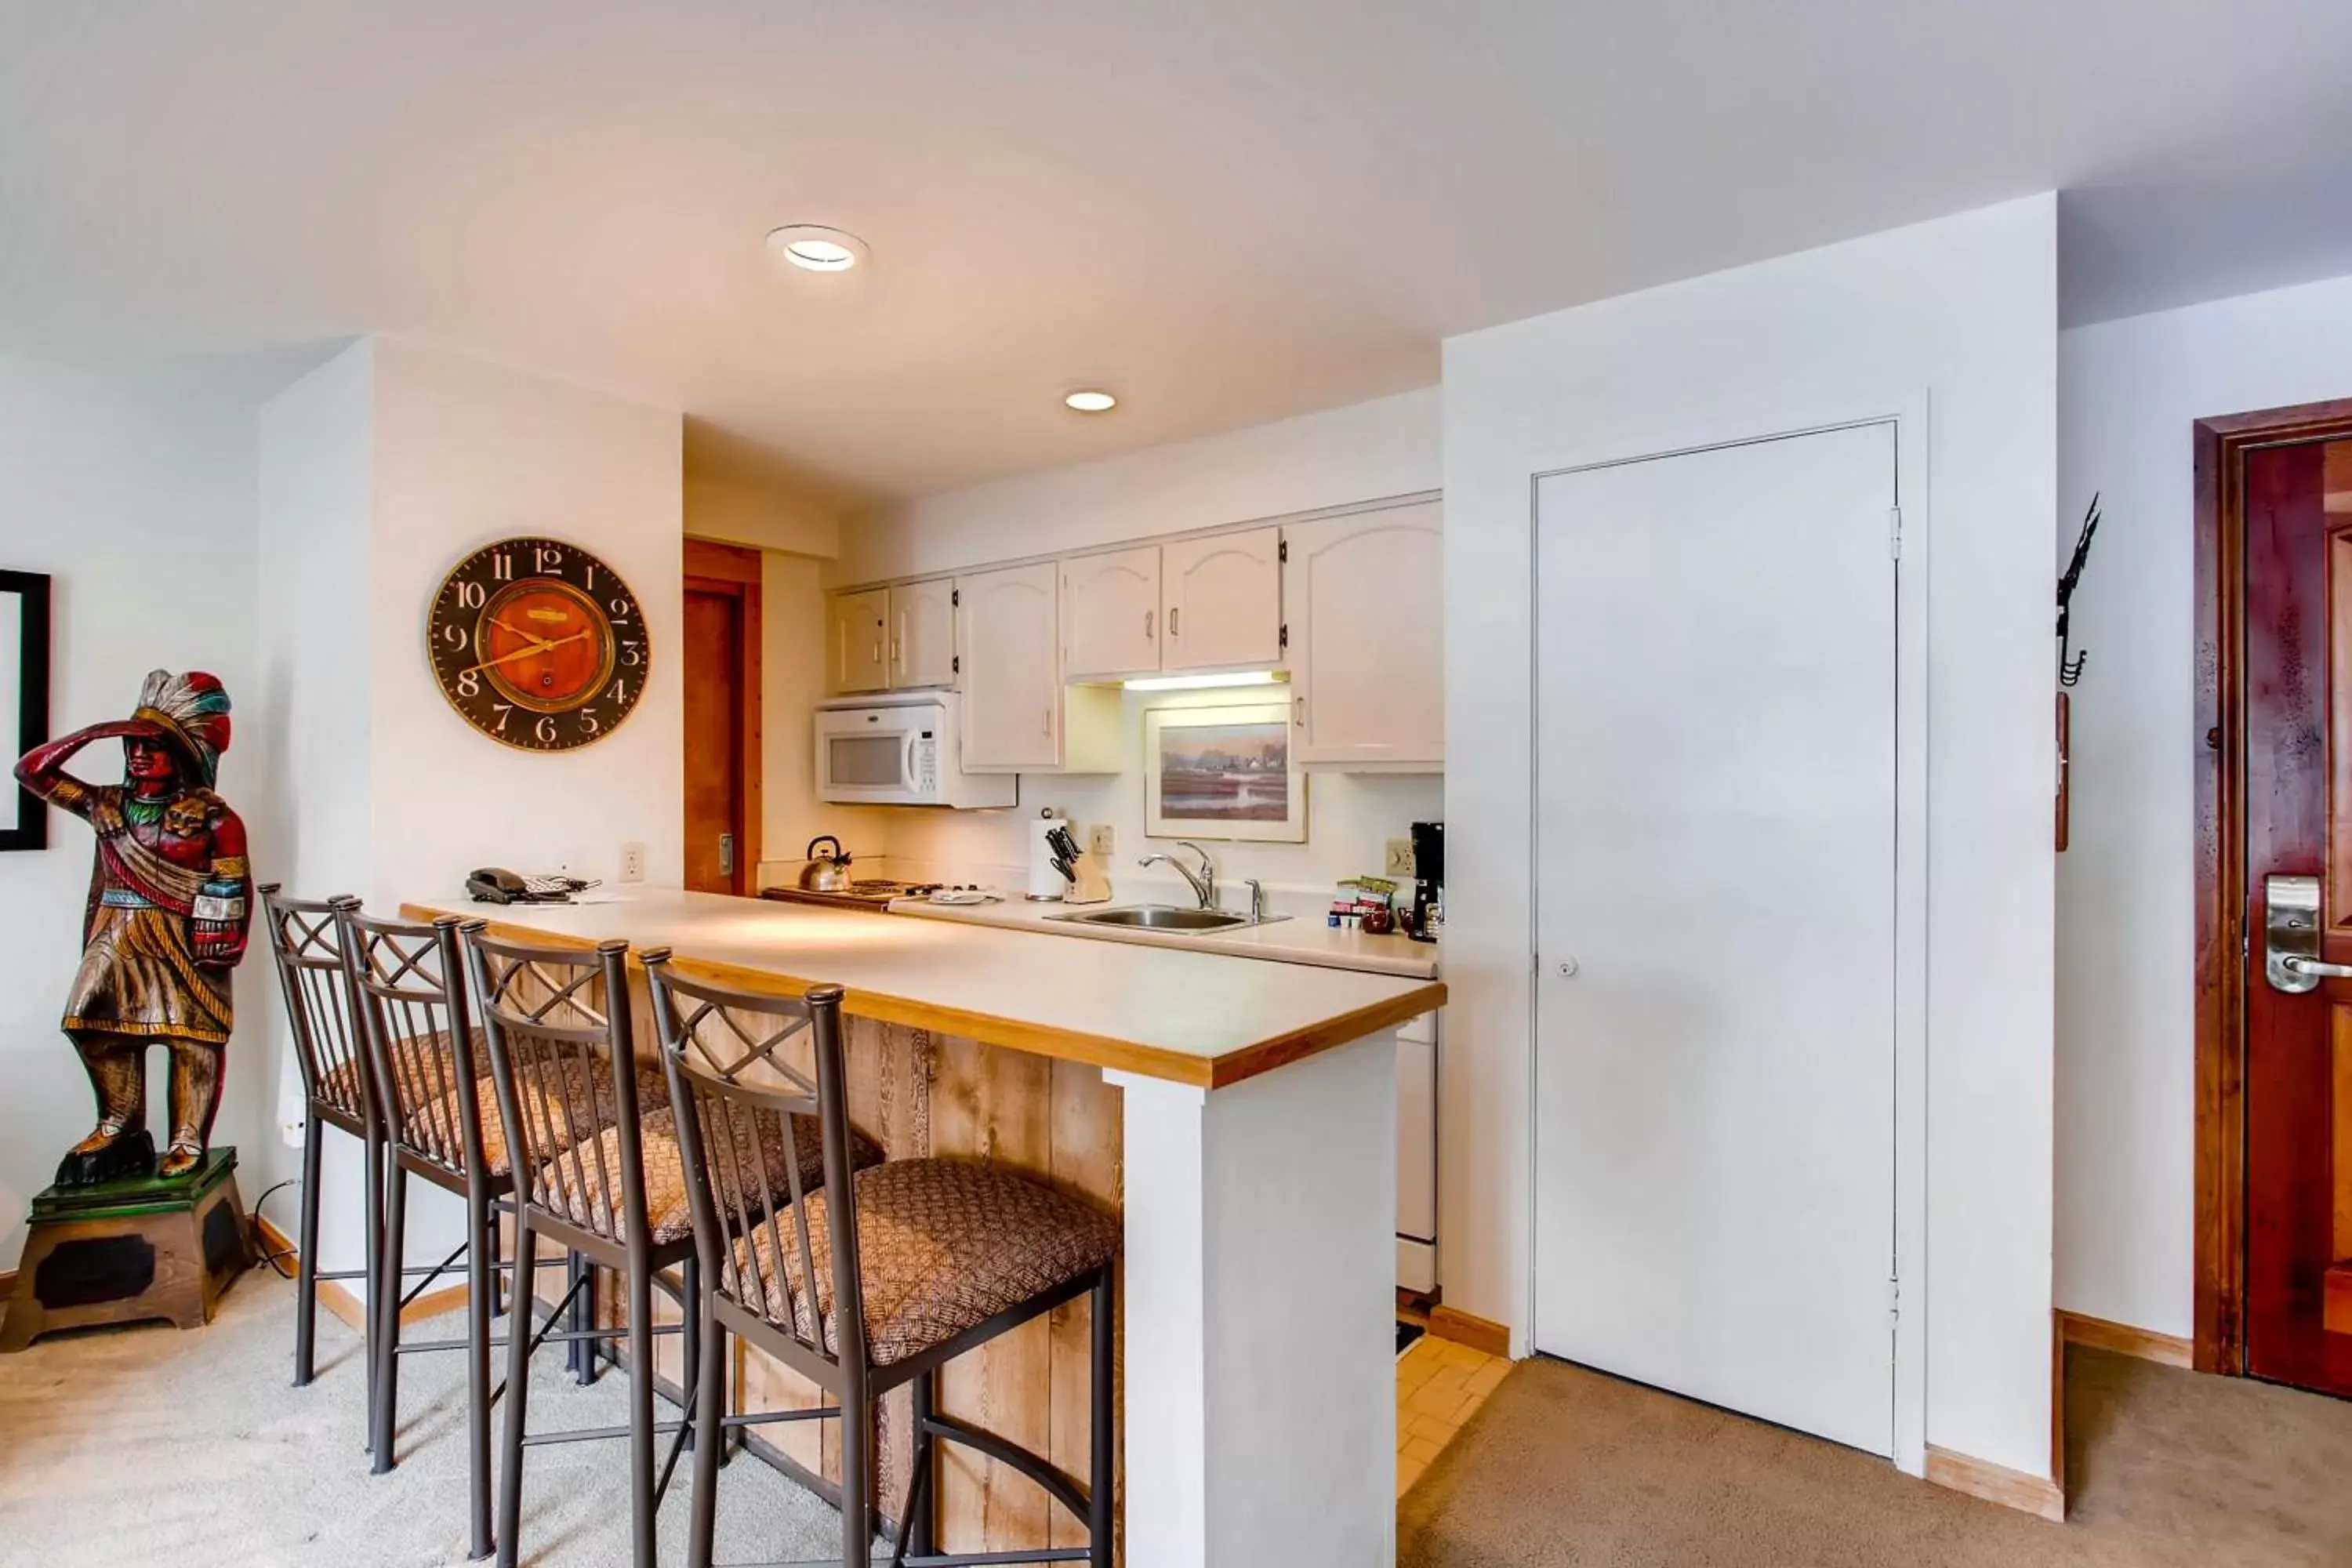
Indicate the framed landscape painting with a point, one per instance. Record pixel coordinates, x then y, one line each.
24 700
1223 772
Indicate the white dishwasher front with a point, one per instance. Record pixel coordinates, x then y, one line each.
1416 1222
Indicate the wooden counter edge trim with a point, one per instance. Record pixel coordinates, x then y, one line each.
1067 1044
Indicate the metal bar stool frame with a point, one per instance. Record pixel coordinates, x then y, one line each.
708 1097
583 1019
409 985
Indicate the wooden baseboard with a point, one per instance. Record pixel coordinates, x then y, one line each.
2036 1495
2166 1350
1463 1329
348 1305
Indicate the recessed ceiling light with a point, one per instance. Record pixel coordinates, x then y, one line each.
816 248
1091 400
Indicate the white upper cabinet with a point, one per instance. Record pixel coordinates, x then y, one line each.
1361 596
1007 634
1222 601
857 641
1110 615
922 633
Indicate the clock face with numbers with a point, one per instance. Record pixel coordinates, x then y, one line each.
539 644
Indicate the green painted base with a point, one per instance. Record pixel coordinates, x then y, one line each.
137 1194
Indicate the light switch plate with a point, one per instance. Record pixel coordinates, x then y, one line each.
1398 859
1101 841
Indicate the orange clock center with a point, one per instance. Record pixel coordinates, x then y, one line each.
544 645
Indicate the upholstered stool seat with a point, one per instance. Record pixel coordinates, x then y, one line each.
556 1115
422 1060
574 1188
943 1245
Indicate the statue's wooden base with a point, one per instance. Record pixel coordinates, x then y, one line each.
145 1247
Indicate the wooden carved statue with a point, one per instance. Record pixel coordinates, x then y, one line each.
169 898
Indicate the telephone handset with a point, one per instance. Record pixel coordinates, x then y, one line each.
497 885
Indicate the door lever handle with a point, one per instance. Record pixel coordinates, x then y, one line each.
2291 928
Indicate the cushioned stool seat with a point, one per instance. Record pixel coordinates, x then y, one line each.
423 1062
556 1118
943 1244
736 1177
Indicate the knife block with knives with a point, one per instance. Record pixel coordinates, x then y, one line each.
1059 869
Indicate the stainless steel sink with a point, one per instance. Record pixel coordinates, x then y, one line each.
1159 917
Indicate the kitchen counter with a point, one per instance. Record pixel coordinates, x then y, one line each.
1306 941
1239 1116
1187 1017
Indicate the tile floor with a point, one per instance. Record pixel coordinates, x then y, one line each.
1439 1385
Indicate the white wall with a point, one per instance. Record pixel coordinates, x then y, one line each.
380 471
466 453
1334 458
2128 392
1965 310
140 502
1340 457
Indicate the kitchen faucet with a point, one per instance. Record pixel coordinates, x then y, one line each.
1204 881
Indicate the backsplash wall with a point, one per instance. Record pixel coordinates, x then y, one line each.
1347 817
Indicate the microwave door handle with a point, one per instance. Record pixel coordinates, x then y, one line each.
906 770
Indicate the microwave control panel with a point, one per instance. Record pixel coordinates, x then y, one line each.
927 763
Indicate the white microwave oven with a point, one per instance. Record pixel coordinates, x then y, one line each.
900 751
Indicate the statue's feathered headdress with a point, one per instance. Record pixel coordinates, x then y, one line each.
192 710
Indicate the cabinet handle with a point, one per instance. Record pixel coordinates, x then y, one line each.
1147 626
1171 621
1049 722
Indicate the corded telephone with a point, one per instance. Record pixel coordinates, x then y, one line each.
497 885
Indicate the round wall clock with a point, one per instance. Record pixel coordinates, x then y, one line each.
539 644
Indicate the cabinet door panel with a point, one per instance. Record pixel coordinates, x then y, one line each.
1110 615
857 641
922 633
1361 596
1223 599
1008 634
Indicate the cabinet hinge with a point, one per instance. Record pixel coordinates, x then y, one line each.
1282 550
1894 1299
1895 533
1284 641
955 598
955 665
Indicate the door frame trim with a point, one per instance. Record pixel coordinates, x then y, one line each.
2220 445
735 571
1908 413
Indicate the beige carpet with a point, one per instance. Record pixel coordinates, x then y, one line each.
145 1445
1567 1467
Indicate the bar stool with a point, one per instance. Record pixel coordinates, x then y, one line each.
931 1258
563 1064
338 1090
441 1120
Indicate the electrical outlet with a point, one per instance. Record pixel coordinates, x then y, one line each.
1398 859
1101 842
632 862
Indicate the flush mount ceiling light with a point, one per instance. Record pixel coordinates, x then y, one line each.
1091 400
814 247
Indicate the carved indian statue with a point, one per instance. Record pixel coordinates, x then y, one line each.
167 922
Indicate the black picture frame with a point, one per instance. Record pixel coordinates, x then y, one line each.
31 590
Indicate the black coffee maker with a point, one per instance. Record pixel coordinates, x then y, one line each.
1429 881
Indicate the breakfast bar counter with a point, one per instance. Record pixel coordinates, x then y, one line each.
1239 1115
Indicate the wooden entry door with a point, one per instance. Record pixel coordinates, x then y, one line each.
722 718
2297 678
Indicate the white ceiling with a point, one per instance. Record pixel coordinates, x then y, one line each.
1227 210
